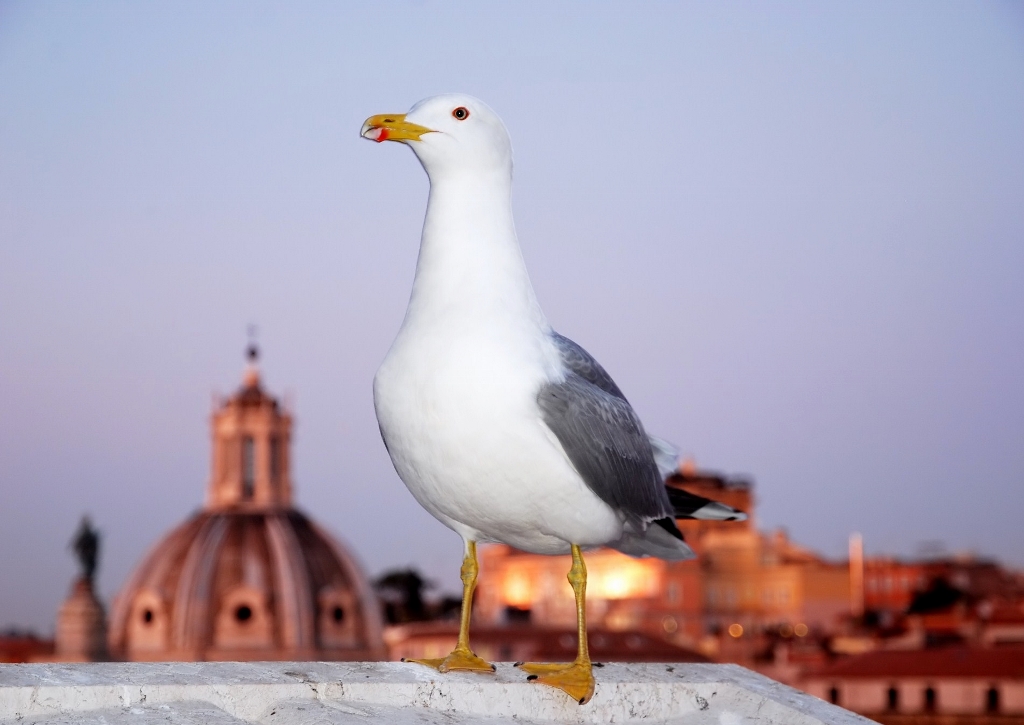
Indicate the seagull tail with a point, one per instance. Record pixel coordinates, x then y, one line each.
658 540
690 506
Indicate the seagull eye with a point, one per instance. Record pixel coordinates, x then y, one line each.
461 113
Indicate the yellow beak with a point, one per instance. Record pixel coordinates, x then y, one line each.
392 127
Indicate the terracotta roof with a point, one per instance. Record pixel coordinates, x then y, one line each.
1006 662
1007 615
23 648
252 395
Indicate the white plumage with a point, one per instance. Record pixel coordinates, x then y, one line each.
456 396
501 428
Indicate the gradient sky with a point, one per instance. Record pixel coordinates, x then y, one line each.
793 233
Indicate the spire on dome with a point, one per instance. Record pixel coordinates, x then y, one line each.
252 367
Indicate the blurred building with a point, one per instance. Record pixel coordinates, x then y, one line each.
82 622
81 626
522 642
962 685
890 585
941 641
17 646
248 577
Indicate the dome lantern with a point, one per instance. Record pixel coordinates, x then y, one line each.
251 448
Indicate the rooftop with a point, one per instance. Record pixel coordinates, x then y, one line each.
1002 662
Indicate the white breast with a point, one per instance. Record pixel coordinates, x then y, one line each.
456 403
456 396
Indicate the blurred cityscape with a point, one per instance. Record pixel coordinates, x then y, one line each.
939 639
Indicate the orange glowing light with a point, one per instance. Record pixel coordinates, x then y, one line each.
621 578
736 630
518 590
610 575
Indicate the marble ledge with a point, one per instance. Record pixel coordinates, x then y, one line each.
353 693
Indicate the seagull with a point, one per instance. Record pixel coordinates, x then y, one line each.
501 428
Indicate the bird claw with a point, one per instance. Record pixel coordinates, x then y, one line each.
458 660
575 679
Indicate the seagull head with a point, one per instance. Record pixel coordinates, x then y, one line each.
450 134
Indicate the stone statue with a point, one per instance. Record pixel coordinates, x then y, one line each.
87 548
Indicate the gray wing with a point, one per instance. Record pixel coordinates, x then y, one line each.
583 364
603 437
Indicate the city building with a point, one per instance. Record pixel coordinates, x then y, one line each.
248 577
890 585
524 642
977 686
18 646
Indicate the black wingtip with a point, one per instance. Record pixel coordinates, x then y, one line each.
691 506
669 525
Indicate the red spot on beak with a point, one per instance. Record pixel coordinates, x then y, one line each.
383 135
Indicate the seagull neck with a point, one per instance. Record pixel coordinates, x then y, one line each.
469 257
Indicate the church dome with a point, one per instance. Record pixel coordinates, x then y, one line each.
249 577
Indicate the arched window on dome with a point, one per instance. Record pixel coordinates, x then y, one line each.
336 619
248 467
147 624
243 621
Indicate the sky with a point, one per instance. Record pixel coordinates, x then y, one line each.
792 232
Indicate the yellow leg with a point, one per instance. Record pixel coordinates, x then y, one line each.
575 679
462 657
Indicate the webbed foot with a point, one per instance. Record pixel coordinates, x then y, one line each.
459 659
575 679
